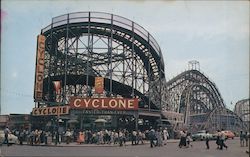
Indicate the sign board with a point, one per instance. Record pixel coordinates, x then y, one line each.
104 112
99 85
57 110
38 87
104 103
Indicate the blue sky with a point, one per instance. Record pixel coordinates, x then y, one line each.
214 33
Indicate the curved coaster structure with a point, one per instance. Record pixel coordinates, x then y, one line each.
198 99
83 45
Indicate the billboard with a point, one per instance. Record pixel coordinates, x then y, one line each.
99 85
38 87
57 110
104 103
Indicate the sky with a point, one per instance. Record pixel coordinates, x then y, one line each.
215 33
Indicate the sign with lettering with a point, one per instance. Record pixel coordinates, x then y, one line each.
104 112
38 87
99 85
56 110
104 103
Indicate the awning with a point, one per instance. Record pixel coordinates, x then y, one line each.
100 121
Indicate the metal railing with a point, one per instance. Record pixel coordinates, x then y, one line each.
106 18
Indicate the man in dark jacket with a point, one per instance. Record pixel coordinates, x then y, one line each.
151 136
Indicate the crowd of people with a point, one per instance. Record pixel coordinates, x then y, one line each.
156 137
99 137
220 140
185 139
120 136
244 138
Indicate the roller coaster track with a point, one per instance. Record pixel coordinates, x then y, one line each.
83 45
198 99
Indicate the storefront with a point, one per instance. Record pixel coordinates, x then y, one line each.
89 113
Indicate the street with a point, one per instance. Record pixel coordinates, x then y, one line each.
169 150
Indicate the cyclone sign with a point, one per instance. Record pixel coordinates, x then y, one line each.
56 110
38 88
104 103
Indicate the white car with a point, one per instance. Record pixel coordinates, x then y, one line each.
201 135
12 138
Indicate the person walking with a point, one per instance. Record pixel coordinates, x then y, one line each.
183 141
189 139
21 137
121 136
241 139
152 137
165 136
134 137
125 136
116 137
81 137
246 138
222 141
140 137
6 134
31 138
218 139
159 137
207 139
68 136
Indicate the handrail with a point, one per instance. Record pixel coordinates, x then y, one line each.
102 17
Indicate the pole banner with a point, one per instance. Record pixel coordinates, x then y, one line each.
57 86
38 88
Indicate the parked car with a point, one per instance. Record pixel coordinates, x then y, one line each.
228 134
201 135
12 138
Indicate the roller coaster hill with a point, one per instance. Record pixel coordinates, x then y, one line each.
76 48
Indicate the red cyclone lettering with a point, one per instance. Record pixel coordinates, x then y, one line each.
104 103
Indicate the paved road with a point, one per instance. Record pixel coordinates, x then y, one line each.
170 150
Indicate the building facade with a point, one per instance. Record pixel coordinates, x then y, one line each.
242 110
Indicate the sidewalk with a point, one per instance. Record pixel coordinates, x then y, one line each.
75 144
